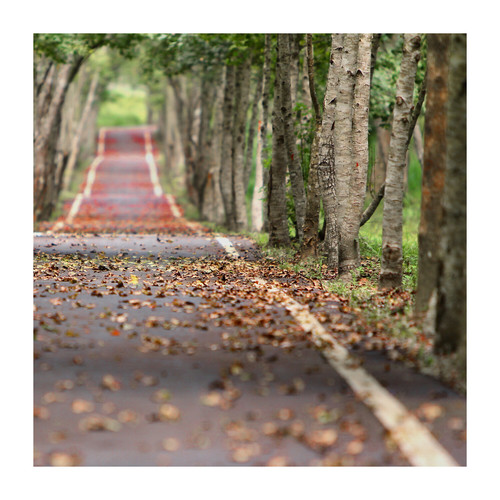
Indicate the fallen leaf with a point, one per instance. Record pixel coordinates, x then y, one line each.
171 444
82 406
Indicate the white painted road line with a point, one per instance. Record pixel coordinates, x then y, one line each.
91 176
173 205
153 169
414 440
100 144
227 246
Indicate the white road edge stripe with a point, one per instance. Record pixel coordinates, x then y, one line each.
227 246
173 205
414 440
153 169
88 184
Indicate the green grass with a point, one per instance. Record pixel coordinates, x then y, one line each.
123 106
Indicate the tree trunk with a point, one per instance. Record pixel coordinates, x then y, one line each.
294 167
309 246
203 147
251 129
451 303
344 159
240 113
261 174
418 145
213 206
391 274
326 162
265 124
46 134
75 143
277 215
226 180
433 175
258 195
349 236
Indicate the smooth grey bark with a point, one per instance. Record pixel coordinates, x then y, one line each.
226 179
293 160
452 300
277 209
242 89
434 167
391 273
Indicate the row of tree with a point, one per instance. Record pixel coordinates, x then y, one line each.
273 132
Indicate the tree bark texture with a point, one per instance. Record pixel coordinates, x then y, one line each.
391 273
434 167
242 89
344 158
349 236
326 160
277 210
294 167
451 303
309 245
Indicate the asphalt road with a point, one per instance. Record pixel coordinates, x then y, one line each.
155 345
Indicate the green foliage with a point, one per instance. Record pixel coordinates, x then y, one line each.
122 105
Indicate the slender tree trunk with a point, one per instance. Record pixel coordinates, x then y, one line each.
261 179
278 220
433 175
184 103
349 255
203 147
240 114
265 125
46 134
418 145
309 244
251 129
326 164
294 167
75 143
226 180
451 303
344 159
294 66
391 274
258 195
213 207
